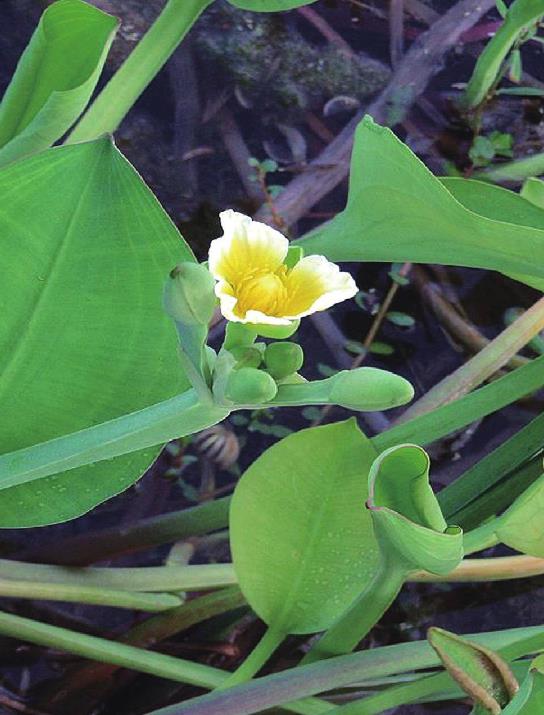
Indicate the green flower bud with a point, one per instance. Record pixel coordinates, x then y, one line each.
283 359
276 332
249 386
368 388
189 296
247 356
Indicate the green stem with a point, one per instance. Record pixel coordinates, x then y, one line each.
257 658
102 650
287 686
125 656
88 548
501 568
481 538
429 427
269 690
153 425
364 613
496 354
150 579
517 170
520 14
195 377
488 472
170 623
144 62
96 596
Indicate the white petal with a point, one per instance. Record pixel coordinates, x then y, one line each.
245 245
255 316
337 285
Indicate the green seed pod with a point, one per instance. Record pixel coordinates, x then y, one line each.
189 296
368 388
249 386
283 359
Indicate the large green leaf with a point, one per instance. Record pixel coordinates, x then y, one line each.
55 77
85 250
398 211
301 537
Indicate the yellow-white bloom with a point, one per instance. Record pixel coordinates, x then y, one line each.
255 286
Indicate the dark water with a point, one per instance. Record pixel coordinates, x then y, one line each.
274 76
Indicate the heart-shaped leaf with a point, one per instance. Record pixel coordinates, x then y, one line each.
301 538
86 249
398 211
55 77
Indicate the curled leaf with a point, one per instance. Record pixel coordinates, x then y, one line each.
407 518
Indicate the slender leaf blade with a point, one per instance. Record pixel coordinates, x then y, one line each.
55 77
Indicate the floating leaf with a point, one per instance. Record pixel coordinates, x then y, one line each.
301 538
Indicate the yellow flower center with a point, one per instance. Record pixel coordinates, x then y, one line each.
265 292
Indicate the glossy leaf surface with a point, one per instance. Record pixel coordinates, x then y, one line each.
83 337
55 77
301 537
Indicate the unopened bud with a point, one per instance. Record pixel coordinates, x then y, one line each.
247 356
368 388
189 296
249 386
275 332
481 672
283 359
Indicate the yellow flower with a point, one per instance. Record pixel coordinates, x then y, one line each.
255 286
